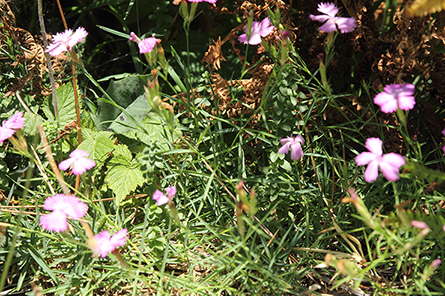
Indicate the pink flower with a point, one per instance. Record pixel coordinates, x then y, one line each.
294 144
257 31
389 164
332 22
62 206
9 126
419 224
65 41
171 191
79 163
106 244
443 132
435 264
210 1
161 199
396 96
145 45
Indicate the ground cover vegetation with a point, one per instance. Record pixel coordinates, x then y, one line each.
222 147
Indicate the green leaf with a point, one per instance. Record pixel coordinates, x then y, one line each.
65 104
98 145
123 93
138 110
124 179
121 155
32 122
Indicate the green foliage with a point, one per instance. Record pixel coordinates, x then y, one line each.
97 144
415 170
288 225
65 104
123 92
123 174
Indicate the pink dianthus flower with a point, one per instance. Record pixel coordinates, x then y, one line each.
65 41
106 244
161 199
257 31
389 164
145 45
62 206
9 126
332 22
78 162
396 96
294 144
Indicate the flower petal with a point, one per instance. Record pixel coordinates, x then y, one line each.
328 9
364 158
255 39
265 28
321 18
391 173
66 164
160 198
346 24
74 208
386 101
419 224
396 160
5 133
406 102
55 202
82 165
296 151
15 122
374 145
79 153
78 36
147 45
103 244
284 149
119 239
243 38
329 26
372 171
171 191
55 221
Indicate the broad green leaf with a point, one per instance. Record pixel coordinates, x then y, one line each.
123 92
65 104
124 179
32 122
138 110
154 132
97 145
121 155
